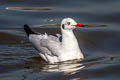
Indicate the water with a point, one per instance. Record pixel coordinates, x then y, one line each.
100 45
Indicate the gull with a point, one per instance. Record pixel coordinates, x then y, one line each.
54 49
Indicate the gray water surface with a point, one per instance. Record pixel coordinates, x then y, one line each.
100 45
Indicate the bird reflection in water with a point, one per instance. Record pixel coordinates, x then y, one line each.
37 68
67 67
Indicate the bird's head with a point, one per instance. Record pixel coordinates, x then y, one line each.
69 24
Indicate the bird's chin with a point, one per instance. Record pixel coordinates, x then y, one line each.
71 29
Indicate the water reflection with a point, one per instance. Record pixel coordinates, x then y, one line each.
70 70
68 67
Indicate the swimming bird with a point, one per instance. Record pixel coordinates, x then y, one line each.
57 49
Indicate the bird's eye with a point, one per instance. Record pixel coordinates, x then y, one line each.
68 23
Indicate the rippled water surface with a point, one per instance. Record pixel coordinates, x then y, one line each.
99 41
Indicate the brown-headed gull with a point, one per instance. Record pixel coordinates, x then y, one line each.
57 49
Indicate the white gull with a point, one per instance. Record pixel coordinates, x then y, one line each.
57 49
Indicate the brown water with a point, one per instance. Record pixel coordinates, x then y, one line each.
100 45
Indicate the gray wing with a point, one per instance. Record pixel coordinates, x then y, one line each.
46 44
52 43
36 41
57 39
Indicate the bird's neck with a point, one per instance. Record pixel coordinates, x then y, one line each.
69 39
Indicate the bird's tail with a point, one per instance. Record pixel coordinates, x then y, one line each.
28 30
